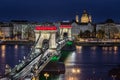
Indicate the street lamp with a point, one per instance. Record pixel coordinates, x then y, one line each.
46 75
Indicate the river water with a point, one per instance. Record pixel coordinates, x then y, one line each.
86 63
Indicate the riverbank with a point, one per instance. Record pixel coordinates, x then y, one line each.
70 47
98 43
21 42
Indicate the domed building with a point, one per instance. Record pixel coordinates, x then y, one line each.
86 18
84 25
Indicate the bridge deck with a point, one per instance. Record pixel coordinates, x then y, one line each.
41 59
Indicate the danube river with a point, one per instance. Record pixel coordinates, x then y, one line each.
86 63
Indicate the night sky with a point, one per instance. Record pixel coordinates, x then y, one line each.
56 10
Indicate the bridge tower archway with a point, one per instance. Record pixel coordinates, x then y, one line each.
65 31
45 36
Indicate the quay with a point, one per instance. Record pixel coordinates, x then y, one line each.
98 43
21 42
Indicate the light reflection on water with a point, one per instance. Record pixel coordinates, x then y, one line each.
16 47
93 63
78 49
70 58
3 50
3 55
86 63
11 54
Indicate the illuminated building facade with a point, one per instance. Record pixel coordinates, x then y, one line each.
108 30
23 29
82 28
86 18
6 31
83 25
77 18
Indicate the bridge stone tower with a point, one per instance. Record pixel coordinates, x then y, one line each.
65 30
46 34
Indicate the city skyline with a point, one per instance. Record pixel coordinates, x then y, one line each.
57 10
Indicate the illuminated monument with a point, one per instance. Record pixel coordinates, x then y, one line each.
86 18
83 24
46 34
65 30
77 18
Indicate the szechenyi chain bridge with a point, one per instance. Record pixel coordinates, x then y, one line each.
46 46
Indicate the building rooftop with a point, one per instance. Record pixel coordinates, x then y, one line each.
109 21
45 28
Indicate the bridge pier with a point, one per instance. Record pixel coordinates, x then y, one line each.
47 36
65 31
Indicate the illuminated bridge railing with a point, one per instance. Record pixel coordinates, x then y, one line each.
25 67
44 61
25 62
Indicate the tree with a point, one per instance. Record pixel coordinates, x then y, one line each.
87 34
100 34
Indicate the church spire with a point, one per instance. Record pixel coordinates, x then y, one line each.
77 18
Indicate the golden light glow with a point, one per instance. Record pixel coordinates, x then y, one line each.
3 54
79 49
33 78
105 48
110 50
46 75
85 17
3 47
76 70
115 48
71 78
93 48
16 46
73 70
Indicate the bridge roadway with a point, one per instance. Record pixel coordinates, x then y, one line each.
27 69
56 52
41 59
